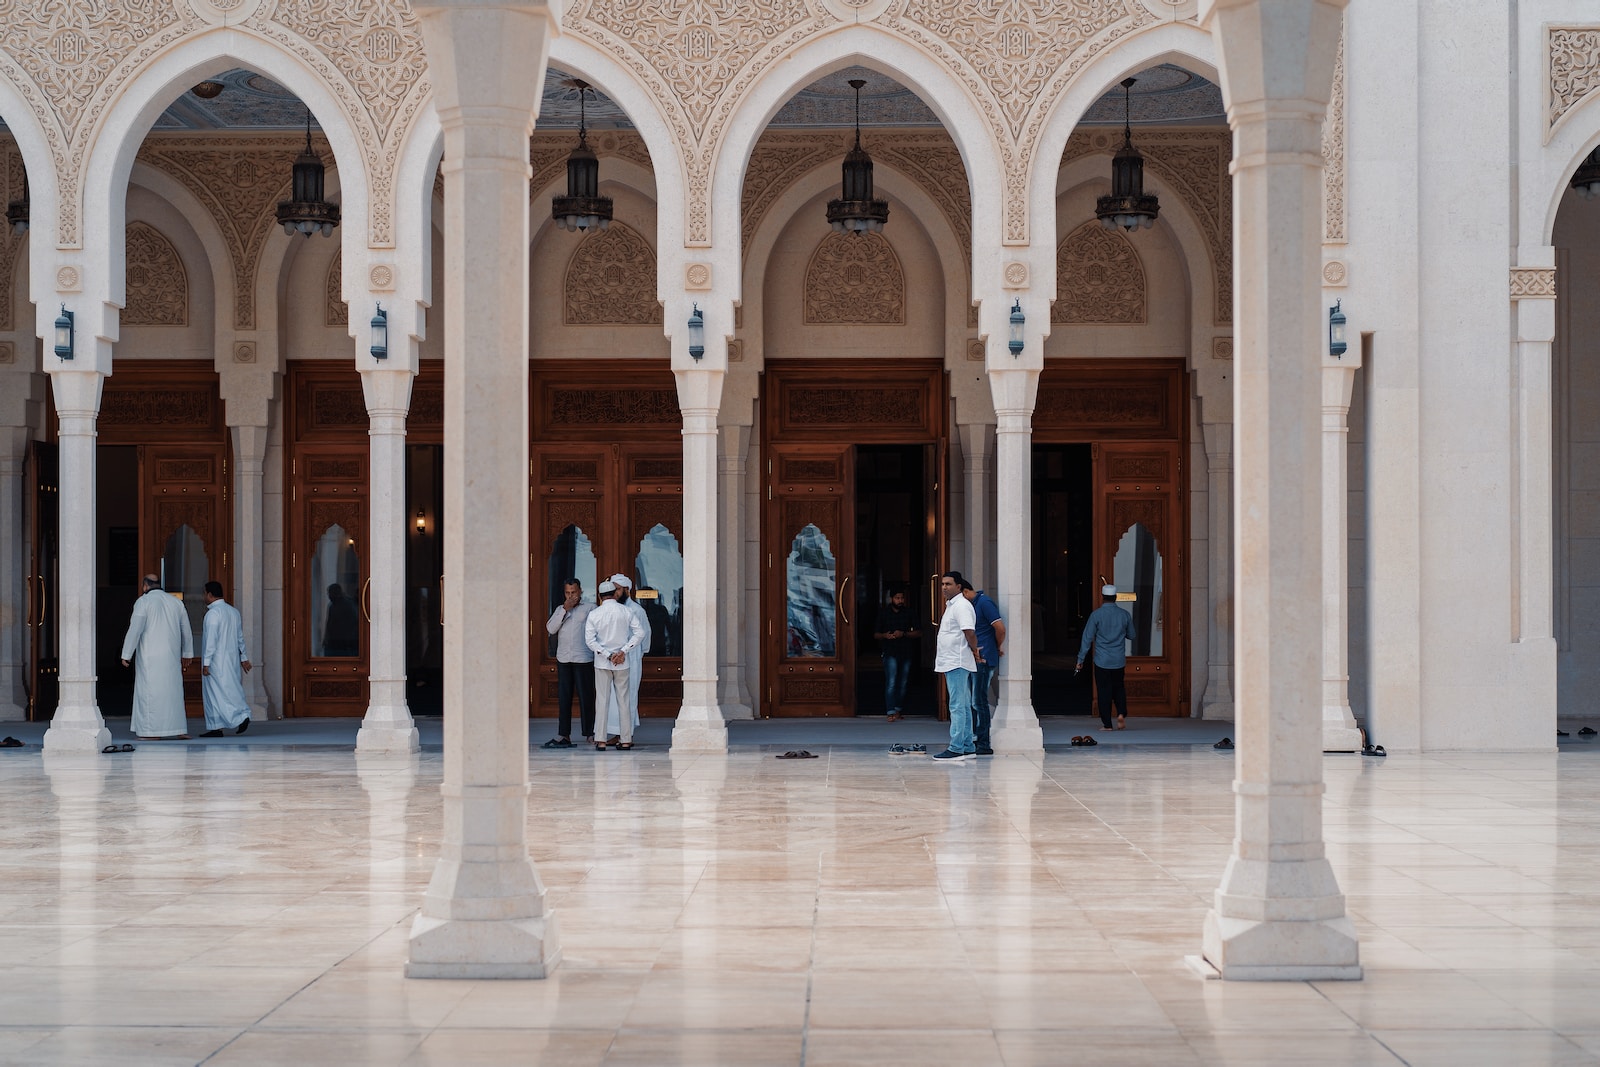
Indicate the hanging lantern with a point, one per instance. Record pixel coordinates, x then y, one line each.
17 211
856 211
1127 207
1586 180
583 208
306 212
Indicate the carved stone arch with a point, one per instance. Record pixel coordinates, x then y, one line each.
1099 278
157 283
855 279
611 281
335 312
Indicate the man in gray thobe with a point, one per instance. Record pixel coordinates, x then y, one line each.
223 665
160 637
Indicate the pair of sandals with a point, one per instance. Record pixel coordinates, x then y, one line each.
11 742
600 746
796 754
118 748
1086 741
907 750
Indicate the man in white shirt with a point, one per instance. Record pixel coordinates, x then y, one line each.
160 637
223 665
956 656
611 632
624 586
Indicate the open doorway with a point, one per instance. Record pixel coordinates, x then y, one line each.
891 556
1063 568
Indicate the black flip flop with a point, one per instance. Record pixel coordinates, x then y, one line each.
801 754
1587 731
12 742
117 748
1223 745
1374 750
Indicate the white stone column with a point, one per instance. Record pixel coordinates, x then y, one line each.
18 598
733 694
1278 913
249 547
1219 538
387 725
976 454
1015 728
1339 730
77 725
1533 652
484 914
700 726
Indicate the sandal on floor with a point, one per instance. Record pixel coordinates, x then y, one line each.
599 746
557 742
1374 750
1089 741
1225 744
801 754
12 742
626 746
1587 731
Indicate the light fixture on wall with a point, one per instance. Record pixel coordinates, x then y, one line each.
380 334
1127 207
422 521
306 212
583 208
64 334
855 211
697 334
17 211
1018 320
1586 180
1336 320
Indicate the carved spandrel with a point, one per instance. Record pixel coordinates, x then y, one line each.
1099 278
855 279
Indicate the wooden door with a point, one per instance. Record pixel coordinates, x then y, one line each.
328 584
185 531
809 634
598 510
1140 548
41 611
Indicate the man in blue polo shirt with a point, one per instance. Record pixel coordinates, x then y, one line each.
1108 632
991 633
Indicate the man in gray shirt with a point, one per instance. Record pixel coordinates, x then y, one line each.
1108 630
574 664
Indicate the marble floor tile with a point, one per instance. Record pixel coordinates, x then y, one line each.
240 906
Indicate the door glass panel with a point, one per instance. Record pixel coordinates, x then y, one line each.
811 595
572 556
184 573
659 569
335 585
1138 581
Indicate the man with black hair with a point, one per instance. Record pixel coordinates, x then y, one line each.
897 636
956 656
160 638
223 665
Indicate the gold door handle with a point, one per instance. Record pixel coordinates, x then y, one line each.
29 620
44 601
441 600
366 602
933 598
842 601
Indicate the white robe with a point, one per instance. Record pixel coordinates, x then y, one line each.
159 639
221 652
635 671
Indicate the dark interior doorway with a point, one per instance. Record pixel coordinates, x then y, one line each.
1063 575
891 554
116 571
424 579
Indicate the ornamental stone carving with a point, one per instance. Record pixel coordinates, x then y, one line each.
1195 163
240 181
69 62
1333 174
855 278
12 175
8 352
1335 273
1533 283
1099 278
68 280
157 284
611 281
335 312
1574 66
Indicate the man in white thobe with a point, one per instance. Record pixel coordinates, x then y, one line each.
160 637
223 665
611 632
635 658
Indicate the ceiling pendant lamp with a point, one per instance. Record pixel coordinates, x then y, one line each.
1586 180
583 208
1127 207
856 211
306 212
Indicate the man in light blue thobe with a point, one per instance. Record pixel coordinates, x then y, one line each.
160 637
223 665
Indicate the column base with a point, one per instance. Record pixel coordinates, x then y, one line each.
696 731
736 711
1023 739
76 734
1339 730
1221 710
387 729
499 948
1252 950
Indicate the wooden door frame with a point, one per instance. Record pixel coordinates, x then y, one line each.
1129 401
824 402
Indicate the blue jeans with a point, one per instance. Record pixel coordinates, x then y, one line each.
896 673
981 716
958 683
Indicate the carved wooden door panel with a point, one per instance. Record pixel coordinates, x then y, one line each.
186 533
1141 547
41 611
570 523
328 584
651 553
807 632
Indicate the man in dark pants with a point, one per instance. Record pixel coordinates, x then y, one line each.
991 631
574 664
897 635
1108 630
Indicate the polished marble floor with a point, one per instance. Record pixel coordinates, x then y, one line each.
225 903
